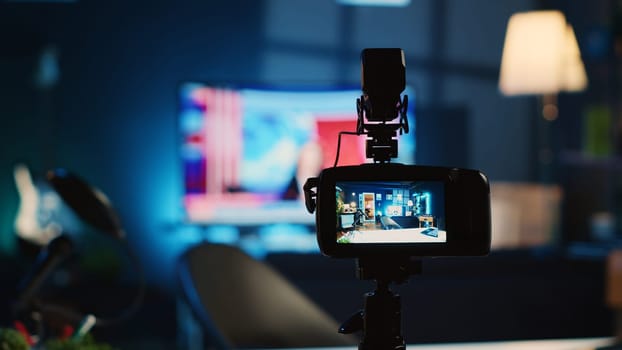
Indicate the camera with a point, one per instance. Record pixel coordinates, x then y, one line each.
396 209
383 208
388 216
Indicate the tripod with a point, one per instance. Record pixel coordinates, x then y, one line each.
380 320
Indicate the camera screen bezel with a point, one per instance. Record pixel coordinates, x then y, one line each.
467 224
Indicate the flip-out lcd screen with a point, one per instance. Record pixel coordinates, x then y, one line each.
390 212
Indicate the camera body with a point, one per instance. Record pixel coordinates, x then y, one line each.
394 209
389 215
383 210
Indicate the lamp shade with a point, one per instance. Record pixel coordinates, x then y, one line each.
540 55
574 78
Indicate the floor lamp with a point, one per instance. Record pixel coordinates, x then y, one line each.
541 57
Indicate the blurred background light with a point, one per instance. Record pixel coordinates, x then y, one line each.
387 3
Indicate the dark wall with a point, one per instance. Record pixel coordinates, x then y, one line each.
441 139
111 116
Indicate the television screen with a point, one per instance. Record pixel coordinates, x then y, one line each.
247 150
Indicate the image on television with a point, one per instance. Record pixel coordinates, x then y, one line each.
246 150
390 212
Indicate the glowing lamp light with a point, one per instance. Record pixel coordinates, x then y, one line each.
540 56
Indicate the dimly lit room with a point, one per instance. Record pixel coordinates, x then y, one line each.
373 174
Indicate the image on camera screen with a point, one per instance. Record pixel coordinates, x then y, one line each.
390 212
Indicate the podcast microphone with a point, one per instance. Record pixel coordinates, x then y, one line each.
95 209
48 259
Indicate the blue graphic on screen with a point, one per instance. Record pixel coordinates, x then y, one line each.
390 212
271 146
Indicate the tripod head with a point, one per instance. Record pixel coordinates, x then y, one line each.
380 320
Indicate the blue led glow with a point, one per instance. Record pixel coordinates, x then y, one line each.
428 203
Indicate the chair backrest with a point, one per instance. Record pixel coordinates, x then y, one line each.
246 303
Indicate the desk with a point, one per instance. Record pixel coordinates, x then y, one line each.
552 344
